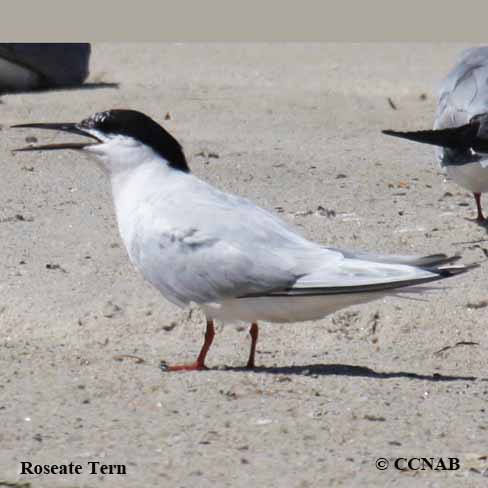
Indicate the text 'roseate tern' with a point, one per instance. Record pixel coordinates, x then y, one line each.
237 261
461 125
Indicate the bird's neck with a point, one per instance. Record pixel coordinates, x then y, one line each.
135 190
136 181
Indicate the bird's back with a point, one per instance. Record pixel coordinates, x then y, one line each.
196 243
464 92
463 95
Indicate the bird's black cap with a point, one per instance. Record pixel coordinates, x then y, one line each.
139 126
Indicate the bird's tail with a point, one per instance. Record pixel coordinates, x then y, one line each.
443 269
471 136
430 261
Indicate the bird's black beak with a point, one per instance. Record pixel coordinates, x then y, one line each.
65 127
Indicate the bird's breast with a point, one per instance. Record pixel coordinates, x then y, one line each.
471 176
141 207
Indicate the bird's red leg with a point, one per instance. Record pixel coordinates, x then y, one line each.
480 218
253 331
200 362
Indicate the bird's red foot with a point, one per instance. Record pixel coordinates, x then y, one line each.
196 366
199 364
253 332
481 221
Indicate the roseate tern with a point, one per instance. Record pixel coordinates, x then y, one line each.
237 261
461 125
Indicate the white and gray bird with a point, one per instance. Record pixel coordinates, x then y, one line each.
461 125
237 261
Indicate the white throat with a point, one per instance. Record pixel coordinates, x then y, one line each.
120 154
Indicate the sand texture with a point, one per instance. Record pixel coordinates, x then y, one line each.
296 128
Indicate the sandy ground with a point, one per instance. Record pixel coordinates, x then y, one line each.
297 129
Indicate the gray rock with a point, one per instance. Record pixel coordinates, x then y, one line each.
31 66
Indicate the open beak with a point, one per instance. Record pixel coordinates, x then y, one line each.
65 127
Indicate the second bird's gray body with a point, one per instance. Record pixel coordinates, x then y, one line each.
460 129
463 95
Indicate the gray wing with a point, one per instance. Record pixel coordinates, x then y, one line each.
230 248
464 92
463 95
222 246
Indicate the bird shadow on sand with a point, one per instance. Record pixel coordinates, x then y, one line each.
88 86
351 371
84 86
